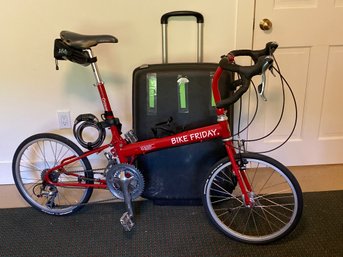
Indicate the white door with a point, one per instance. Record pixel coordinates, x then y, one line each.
310 54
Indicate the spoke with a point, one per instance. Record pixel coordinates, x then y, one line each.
228 209
225 212
253 179
247 222
270 210
271 214
255 172
234 217
277 204
29 160
32 180
30 166
59 152
266 218
61 155
266 182
219 191
279 213
276 185
54 152
229 179
224 179
274 193
225 191
36 153
61 196
30 187
42 151
221 200
253 217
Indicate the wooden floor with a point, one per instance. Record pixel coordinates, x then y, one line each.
311 179
319 178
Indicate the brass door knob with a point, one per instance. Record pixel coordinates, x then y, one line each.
266 24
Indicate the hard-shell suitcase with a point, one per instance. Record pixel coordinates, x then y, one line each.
169 98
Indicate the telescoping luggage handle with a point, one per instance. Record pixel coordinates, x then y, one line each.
164 22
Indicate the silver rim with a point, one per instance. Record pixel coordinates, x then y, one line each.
37 156
275 206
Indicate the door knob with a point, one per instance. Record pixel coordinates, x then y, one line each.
266 24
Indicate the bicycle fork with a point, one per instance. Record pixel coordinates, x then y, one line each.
241 176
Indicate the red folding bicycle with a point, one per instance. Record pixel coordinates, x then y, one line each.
250 197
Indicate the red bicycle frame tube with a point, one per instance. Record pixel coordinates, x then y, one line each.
104 98
124 151
183 138
241 176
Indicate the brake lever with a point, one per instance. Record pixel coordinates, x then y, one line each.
265 67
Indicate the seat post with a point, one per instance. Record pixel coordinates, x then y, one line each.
94 67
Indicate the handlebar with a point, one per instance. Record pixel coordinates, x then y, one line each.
255 54
262 61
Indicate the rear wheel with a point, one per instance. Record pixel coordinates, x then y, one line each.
34 157
276 197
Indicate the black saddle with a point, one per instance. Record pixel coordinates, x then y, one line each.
85 41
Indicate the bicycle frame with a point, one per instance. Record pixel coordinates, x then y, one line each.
126 152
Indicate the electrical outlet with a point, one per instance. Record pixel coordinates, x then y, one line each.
64 119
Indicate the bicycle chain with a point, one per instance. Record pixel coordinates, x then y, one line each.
89 179
113 198
77 171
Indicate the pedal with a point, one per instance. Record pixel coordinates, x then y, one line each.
126 222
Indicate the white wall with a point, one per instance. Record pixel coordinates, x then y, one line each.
32 91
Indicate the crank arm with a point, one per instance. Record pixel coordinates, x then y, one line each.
127 218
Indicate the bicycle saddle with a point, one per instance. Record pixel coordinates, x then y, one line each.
85 41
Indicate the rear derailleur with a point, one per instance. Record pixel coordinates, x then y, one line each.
49 192
46 190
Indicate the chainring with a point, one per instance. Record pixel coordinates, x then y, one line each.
136 185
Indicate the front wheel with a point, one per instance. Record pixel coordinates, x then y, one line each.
276 199
34 157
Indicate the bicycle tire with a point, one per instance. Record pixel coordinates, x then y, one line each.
277 200
39 153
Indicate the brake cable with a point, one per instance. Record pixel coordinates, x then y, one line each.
295 115
283 82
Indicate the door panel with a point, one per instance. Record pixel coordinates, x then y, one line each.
331 126
311 58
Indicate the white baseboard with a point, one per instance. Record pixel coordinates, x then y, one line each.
6 177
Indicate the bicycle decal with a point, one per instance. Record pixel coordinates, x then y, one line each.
204 135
